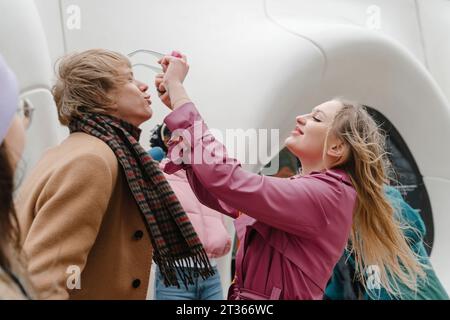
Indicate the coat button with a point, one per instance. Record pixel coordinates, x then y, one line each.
138 235
136 283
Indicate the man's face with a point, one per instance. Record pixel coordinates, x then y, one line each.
131 102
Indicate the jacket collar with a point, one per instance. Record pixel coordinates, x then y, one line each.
338 174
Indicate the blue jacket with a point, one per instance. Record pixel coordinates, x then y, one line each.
341 285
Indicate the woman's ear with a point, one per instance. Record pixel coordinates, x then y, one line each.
337 150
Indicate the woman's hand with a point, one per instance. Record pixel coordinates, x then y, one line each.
170 84
162 92
175 68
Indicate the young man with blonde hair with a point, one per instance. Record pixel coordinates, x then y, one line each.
96 208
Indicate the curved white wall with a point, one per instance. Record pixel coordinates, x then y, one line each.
24 46
435 22
256 64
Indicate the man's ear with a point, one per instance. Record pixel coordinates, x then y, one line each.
112 95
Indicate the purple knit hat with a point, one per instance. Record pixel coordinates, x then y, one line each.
9 97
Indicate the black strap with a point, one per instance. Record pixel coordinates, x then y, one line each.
17 282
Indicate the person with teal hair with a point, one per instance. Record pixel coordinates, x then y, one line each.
344 286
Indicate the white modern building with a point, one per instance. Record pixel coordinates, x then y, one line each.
258 63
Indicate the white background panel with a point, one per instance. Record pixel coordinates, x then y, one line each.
257 64
435 21
439 191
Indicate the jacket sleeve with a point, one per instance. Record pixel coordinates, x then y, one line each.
201 193
68 214
291 205
206 198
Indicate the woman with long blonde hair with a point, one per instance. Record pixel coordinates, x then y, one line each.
377 238
295 230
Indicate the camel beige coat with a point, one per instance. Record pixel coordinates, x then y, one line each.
78 216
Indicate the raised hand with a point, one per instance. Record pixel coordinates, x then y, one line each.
175 68
162 92
170 83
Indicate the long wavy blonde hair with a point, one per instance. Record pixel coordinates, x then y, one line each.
377 237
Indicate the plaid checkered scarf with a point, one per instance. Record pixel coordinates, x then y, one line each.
175 242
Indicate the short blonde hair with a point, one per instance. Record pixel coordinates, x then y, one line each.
84 81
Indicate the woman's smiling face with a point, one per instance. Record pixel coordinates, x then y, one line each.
307 140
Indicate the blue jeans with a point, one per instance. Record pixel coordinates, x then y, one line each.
209 289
